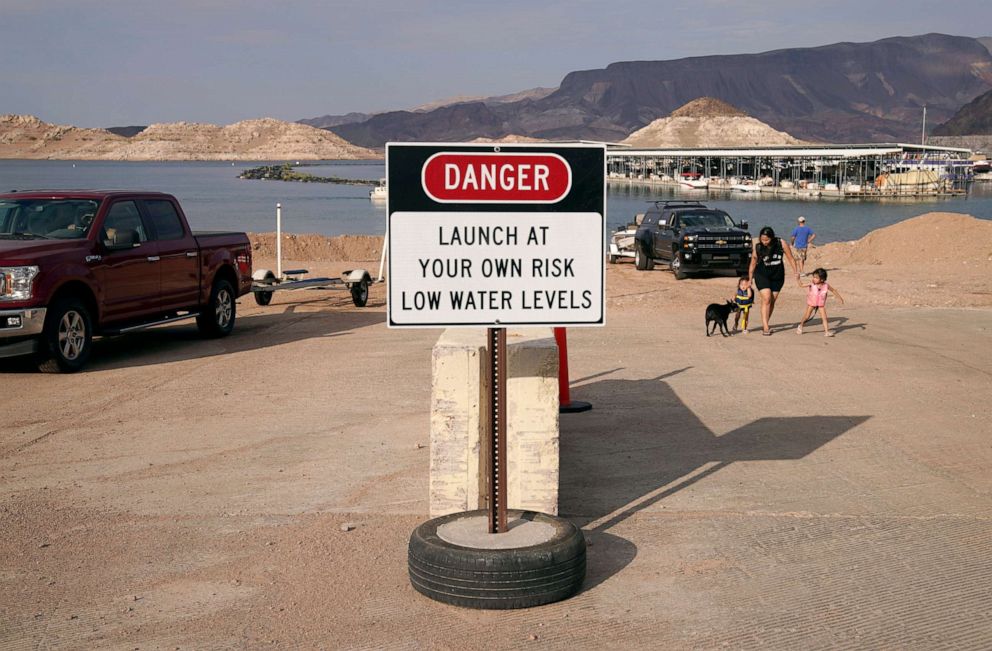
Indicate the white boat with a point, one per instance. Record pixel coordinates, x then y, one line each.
746 187
693 180
379 192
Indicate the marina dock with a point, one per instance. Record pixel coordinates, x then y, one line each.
857 171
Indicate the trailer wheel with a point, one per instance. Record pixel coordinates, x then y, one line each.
217 318
360 293
498 579
265 277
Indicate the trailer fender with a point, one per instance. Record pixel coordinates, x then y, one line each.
355 276
264 276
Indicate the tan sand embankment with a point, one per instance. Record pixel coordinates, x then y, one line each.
938 259
318 248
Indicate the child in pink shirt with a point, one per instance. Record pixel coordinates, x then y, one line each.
816 298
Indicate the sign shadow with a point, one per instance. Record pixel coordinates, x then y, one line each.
642 444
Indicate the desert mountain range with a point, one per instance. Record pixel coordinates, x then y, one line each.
845 92
26 136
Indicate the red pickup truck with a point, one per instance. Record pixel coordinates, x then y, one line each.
74 264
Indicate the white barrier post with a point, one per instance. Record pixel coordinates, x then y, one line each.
279 241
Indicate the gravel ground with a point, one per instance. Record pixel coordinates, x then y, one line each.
781 492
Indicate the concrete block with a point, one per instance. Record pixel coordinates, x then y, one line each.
459 418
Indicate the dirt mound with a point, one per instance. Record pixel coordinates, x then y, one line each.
936 260
318 248
707 107
928 242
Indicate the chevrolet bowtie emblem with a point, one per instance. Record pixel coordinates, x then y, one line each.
721 241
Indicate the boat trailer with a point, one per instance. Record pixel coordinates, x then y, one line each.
264 282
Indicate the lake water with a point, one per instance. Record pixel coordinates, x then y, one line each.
215 199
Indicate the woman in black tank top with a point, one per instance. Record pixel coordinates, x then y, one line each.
767 271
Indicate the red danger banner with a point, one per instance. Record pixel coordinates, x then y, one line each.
450 177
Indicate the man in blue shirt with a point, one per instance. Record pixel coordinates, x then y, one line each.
802 238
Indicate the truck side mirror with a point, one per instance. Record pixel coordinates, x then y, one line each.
744 224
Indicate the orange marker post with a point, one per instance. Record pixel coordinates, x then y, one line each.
565 403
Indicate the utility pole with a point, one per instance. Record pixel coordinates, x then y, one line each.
923 136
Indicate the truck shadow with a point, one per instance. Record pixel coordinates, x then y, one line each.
278 325
641 444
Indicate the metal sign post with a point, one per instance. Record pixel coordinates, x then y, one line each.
497 430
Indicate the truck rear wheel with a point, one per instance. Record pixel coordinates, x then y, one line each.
67 337
217 318
641 260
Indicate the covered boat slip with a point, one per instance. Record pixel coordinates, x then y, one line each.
856 171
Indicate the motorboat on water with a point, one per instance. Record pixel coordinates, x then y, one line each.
379 192
693 180
746 187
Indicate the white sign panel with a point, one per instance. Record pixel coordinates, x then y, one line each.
496 235
495 268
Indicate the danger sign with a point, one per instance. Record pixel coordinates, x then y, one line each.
495 235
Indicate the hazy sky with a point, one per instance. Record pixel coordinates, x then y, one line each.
101 63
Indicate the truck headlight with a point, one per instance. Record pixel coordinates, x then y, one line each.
15 283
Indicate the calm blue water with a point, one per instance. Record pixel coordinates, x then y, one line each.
214 198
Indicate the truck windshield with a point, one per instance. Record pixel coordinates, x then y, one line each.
706 219
56 219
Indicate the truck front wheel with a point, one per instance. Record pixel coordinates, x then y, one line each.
67 337
677 266
217 318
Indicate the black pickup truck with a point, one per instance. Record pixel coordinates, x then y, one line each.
690 237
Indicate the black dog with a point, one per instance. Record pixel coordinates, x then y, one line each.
717 314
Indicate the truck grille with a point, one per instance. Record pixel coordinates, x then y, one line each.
721 242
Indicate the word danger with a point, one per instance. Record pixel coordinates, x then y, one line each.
490 176
496 267
496 299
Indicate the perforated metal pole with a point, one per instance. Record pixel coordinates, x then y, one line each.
497 429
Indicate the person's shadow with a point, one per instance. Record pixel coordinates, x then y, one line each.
641 444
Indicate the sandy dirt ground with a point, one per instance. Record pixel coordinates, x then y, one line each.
780 492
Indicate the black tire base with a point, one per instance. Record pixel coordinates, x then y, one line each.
574 407
498 579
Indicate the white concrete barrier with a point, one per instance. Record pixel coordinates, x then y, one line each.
460 416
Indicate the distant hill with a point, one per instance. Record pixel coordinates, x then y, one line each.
708 122
329 121
127 132
842 92
26 136
974 118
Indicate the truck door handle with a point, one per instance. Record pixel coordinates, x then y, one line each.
153 258
191 254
